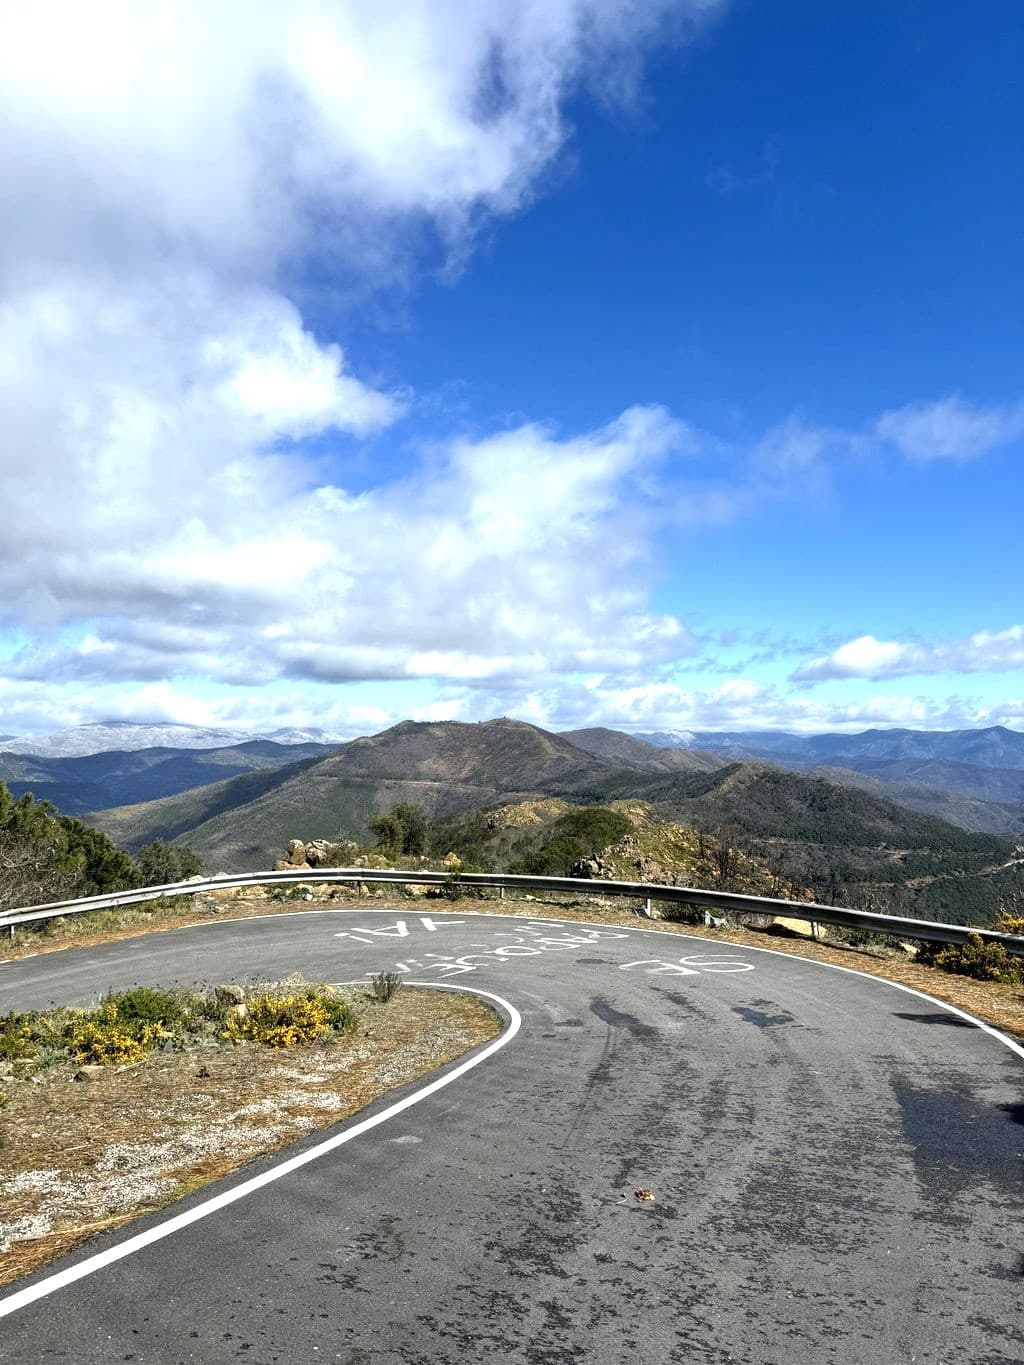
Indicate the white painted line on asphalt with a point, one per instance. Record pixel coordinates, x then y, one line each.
52 1283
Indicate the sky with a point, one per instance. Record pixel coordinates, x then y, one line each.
654 365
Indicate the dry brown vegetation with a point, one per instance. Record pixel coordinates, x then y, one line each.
80 1157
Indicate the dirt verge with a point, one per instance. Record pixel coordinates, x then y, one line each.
80 1157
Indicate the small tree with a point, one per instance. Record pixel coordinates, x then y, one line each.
160 862
401 830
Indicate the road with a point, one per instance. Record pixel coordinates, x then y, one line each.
835 1166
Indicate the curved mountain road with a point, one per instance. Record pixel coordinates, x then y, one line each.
835 1162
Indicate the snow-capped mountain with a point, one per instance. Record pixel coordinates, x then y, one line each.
104 736
669 739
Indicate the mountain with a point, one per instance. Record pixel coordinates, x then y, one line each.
125 736
117 777
982 782
848 844
668 739
630 751
983 817
994 747
443 766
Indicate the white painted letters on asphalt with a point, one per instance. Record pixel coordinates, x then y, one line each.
528 940
687 966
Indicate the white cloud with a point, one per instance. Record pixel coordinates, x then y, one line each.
167 169
506 557
950 429
742 704
866 657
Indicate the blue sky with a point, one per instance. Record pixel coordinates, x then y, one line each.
656 369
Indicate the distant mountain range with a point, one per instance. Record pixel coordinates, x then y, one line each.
837 838
124 777
974 778
995 747
128 736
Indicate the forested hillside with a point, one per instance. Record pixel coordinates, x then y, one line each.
45 857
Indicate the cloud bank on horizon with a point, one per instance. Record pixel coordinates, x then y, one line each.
217 512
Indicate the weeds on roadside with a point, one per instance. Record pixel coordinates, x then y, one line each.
384 985
286 1020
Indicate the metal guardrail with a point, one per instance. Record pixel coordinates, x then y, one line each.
722 901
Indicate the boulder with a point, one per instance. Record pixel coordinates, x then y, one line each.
317 852
296 854
229 994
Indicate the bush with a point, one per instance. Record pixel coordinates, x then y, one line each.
975 958
384 985
287 1020
16 1042
106 1038
159 863
144 1005
401 830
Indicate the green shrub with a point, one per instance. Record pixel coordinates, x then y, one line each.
143 1005
975 958
160 862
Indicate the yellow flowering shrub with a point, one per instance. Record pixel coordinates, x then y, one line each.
16 1038
107 1039
287 1020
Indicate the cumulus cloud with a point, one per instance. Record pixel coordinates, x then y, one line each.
519 554
866 657
170 172
667 703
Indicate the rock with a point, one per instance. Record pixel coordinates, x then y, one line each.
229 994
296 854
238 1011
89 1073
317 852
451 860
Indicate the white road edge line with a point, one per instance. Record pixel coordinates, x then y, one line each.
22 1297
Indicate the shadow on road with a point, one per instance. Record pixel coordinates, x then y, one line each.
938 1017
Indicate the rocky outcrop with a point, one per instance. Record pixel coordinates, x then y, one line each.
318 853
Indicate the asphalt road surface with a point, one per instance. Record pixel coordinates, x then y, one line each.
835 1166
